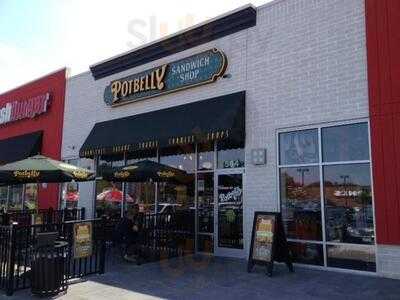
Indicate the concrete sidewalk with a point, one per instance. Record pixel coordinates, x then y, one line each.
213 278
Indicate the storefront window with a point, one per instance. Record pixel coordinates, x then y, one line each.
70 195
348 204
15 197
346 196
137 156
141 193
109 197
230 155
31 196
345 143
180 157
70 190
205 156
3 197
109 161
301 202
299 147
174 197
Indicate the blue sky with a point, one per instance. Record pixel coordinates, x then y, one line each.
22 24
40 36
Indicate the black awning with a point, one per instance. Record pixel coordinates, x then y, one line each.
220 118
20 147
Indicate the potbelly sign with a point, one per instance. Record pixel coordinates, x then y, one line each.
198 69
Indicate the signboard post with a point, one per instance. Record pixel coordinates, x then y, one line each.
268 242
83 240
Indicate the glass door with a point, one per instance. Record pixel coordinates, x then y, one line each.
205 212
229 213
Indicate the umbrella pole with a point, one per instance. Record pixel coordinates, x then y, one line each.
23 197
155 212
8 197
123 202
156 198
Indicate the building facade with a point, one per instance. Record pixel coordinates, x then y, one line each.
31 120
267 108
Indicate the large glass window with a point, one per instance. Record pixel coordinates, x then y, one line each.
141 193
298 147
3 197
348 204
16 197
205 156
339 182
19 197
345 143
201 165
70 190
70 195
301 202
180 157
109 197
230 155
134 157
109 161
31 196
173 197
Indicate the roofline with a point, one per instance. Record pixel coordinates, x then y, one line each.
162 39
223 25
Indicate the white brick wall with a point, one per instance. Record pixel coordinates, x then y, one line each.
389 261
304 63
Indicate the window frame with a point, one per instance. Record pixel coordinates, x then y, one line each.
321 164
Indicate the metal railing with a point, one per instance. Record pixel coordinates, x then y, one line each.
166 235
44 216
17 245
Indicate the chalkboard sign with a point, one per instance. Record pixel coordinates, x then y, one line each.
268 242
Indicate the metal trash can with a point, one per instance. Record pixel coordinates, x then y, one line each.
48 269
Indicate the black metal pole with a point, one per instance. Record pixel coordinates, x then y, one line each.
103 247
11 261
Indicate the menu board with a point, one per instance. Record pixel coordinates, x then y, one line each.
83 240
37 219
264 237
268 242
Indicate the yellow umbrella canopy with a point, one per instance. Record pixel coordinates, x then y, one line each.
41 169
146 170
